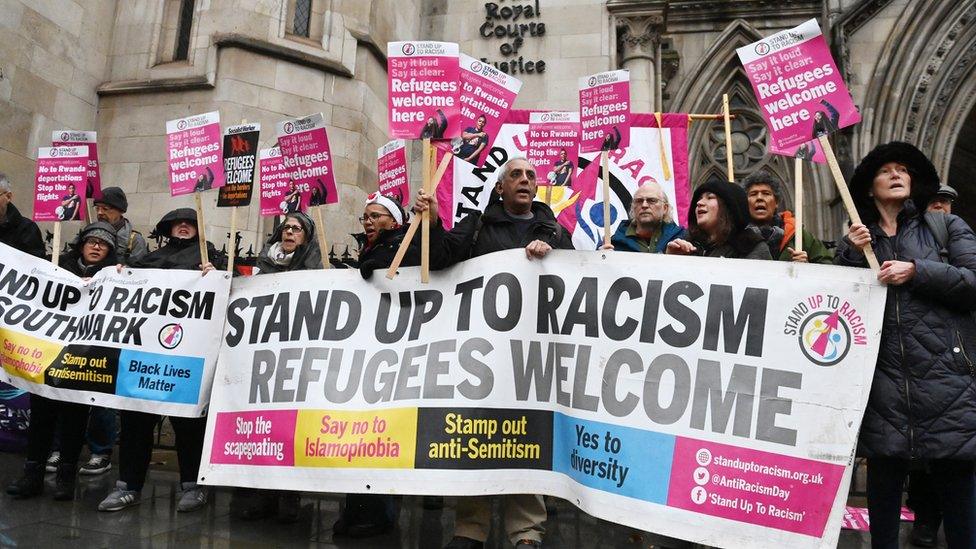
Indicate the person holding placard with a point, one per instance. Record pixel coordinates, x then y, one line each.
16 230
651 226
921 412
130 245
764 193
291 247
718 220
136 439
512 220
92 250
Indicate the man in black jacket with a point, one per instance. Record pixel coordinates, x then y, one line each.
16 230
512 220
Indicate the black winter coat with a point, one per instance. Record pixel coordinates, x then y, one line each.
497 232
180 253
380 255
21 233
923 399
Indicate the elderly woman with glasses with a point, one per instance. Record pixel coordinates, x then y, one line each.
93 249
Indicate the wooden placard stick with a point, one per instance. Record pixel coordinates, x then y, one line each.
429 156
728 138
320 234
798 204
845 195
415 221
605 161
231 241
548 195
201 236
56 249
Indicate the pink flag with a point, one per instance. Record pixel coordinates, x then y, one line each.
59 183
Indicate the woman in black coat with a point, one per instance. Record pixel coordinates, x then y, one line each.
921 413
182 251
93 250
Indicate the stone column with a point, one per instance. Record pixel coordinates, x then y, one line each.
638 38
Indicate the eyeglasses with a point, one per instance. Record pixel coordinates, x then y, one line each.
292 229
648 201
96 243
372 217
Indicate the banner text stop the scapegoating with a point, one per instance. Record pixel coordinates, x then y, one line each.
543 369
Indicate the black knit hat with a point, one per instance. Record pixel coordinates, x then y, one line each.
114 197
733 200
925 179
100 230
179 214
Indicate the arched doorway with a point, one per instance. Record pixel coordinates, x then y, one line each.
962 170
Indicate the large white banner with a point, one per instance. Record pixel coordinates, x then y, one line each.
142 339
715 400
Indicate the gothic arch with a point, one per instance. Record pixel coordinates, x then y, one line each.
924 84
719 71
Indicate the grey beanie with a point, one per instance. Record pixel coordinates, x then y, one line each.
114 197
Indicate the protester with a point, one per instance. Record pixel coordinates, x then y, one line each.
921 412
291 247
136 440
943 199
367 515
778 229
130 245
651 226
92 250
16 230
512 220
718 220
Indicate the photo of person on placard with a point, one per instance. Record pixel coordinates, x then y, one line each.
204 182
563 170
825 122
473 140
611 140
293 200
806 151
68 210
319 194
435 128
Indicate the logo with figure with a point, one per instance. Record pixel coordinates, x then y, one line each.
170 336
476 66
762 48
826 327
592 81
65 136
288 127
408 49
181 125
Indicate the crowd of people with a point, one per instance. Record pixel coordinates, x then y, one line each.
921 416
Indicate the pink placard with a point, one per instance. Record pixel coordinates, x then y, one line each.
194 152
800 91
391 169
604 111
752 486
554 146
811 151
306 154
424 90
264 437
487 94
71 138
279 194
59 183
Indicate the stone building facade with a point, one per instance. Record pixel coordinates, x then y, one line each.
125 67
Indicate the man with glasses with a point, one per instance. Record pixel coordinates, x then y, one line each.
16 230
651 224
130 245
777 228
513 219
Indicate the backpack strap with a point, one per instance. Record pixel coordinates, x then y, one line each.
938 225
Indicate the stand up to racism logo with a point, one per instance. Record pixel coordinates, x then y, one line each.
826 326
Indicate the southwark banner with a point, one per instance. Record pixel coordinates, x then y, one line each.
142 339
681 402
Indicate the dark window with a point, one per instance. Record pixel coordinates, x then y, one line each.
183 30
303 17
